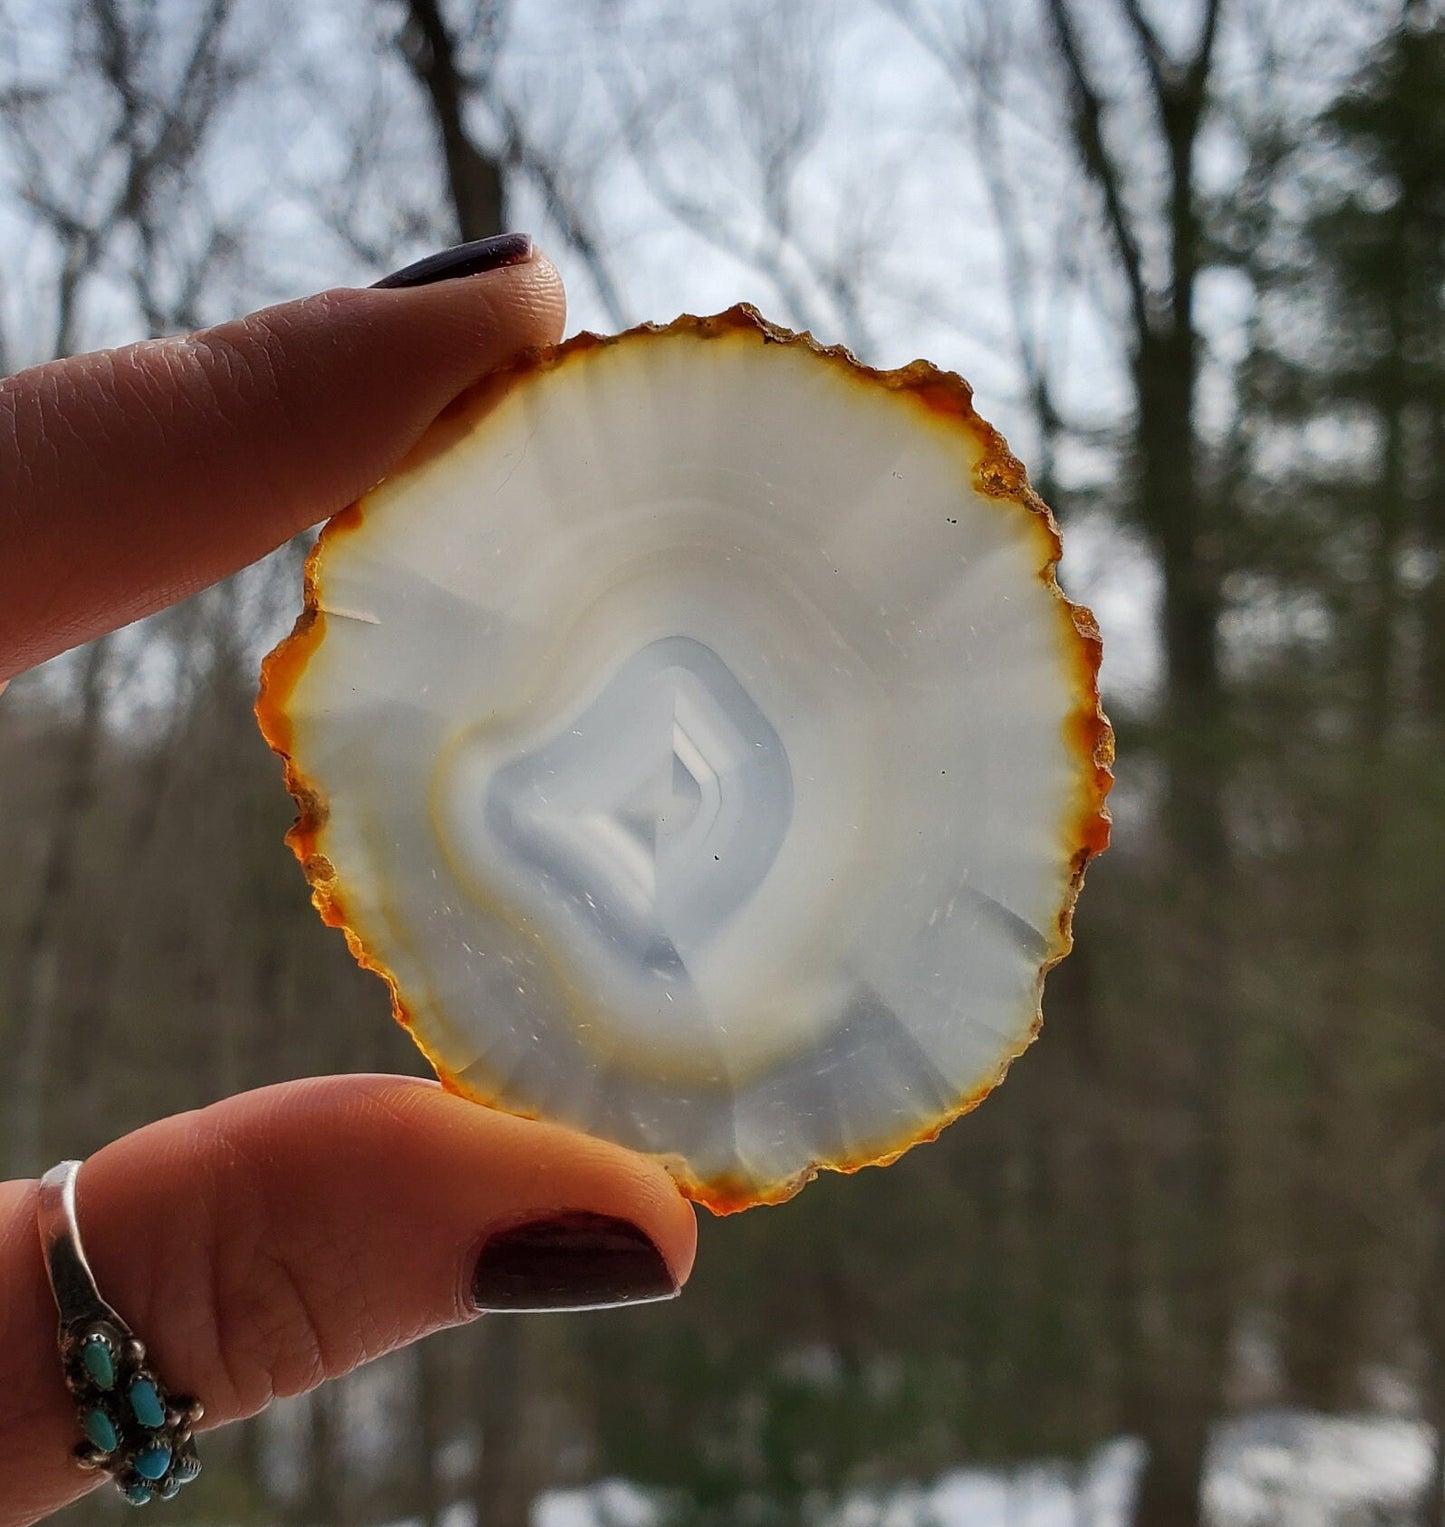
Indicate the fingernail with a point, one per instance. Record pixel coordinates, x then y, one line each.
574 1261
464 260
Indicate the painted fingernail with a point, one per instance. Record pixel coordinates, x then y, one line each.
574 1261
464 260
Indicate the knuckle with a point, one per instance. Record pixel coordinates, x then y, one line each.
280 1319
236 360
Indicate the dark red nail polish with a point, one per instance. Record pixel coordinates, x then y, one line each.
464 260
573 1261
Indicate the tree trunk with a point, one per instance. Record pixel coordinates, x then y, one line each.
1432 1280
1433 525
1185 1347
503 1484
432 1410
1324 1331
34 1011
474 181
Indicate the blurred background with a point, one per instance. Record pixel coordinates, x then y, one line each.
1188 1264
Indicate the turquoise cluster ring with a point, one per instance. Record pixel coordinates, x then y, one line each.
133 1428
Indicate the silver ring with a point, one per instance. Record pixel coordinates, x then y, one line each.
135 1429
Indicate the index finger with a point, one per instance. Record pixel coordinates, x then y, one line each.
131 478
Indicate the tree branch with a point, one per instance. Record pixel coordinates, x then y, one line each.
776 139
1197 70
474 176
1156 60
1088 124
473 179
563 210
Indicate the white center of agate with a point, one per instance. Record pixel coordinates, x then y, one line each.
655 814
654 810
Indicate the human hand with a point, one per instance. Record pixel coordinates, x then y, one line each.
283 1237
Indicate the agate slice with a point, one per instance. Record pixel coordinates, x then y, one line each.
693 736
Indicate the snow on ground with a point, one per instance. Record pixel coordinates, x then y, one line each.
1269 1468
615 1504
1273 1468
1288 1469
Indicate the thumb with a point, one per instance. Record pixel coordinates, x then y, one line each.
286 1236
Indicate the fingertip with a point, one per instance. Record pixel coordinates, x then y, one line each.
549 296
539 1168
670 1219
537 291
514 307
578 1222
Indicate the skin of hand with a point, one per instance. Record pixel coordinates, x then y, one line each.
283 1237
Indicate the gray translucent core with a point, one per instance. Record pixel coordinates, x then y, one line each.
657 814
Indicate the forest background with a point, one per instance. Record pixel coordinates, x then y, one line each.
1192 257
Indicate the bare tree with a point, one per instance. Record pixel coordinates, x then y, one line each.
1121 142
768 107
980 50
474 178
1177 1389
460 69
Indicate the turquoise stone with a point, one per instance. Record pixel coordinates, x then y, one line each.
152 1462
187 1468
170 1489
138 1495
99 1364
101 1431
146 1404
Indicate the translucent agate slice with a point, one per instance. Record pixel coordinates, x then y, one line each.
693 736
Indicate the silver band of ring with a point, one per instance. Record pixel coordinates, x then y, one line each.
135 1430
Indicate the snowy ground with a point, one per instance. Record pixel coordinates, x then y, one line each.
1271 1469
1268 1468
